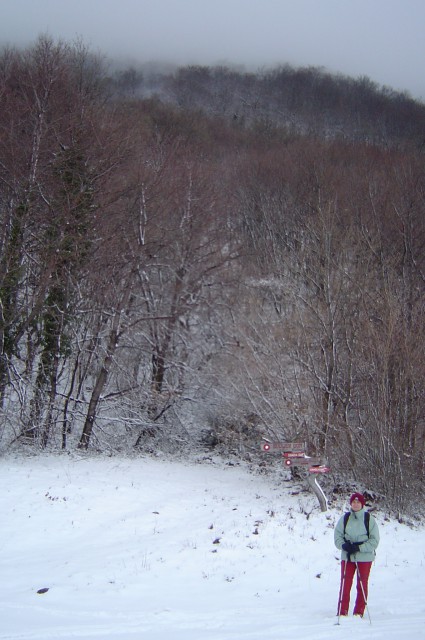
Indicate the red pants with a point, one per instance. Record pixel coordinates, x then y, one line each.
348 569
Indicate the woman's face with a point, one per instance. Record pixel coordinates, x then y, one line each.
356 505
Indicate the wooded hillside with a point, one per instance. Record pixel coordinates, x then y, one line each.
200 257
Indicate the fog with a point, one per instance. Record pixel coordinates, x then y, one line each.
382 39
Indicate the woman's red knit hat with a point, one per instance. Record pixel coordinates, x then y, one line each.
359 497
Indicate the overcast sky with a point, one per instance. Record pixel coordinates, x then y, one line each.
382 39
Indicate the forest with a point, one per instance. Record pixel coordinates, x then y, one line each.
196 258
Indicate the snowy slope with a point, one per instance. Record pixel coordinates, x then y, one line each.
157 550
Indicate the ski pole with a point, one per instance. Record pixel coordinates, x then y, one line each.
341 590
363 592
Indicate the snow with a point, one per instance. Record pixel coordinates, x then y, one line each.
170 550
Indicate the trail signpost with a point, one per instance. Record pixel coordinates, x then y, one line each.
294 455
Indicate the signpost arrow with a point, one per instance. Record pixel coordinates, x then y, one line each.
283 446
305 462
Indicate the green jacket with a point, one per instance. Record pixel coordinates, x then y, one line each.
355 531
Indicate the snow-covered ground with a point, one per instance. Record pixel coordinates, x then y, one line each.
159 550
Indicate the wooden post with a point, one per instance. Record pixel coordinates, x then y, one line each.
318 491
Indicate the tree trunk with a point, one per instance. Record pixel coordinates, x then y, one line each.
99 386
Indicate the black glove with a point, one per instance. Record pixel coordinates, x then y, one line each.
351 547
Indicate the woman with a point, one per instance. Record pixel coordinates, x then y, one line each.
357 536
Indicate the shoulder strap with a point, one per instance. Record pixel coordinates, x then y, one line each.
366 521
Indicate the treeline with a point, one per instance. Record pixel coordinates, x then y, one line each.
307 101
171 278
